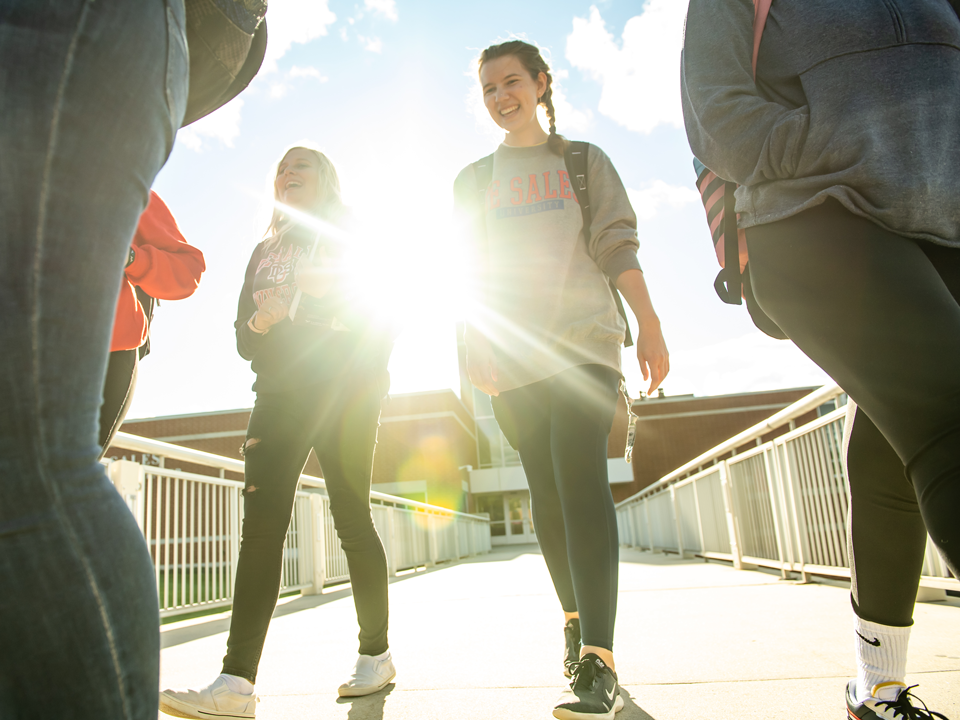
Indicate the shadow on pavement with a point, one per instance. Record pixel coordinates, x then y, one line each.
632 711
368 707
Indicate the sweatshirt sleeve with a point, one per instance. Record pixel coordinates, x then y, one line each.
248 342
613 224
736 133
165 265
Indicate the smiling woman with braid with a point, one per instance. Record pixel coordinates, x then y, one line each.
545 343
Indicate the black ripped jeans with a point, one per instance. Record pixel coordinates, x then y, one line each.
880 313
339 421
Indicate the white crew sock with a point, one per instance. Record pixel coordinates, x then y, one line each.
881 656
238 684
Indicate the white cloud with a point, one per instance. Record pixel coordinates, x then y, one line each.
568 119
751 363
648 201
294 21
373 44
641 75
387 8
222 125
312 72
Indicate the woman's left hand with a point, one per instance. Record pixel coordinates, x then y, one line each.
316 278
652 353
651 347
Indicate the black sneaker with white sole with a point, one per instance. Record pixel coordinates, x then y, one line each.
571 649
594 693
899 708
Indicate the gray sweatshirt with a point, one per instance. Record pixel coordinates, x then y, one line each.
544 293
855 99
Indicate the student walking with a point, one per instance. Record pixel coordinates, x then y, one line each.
321 365
545 343
846 148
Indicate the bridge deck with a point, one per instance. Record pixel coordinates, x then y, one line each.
482 639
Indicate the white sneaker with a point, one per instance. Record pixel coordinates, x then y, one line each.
371 673
216 701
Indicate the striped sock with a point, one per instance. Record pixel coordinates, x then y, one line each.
881 655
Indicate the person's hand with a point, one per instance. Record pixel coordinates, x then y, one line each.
652 353
316 278
272 311
481 362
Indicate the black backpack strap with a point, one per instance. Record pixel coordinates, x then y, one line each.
729 283
575 158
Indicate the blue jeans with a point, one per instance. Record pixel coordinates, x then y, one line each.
91 97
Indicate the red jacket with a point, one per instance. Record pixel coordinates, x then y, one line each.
165 267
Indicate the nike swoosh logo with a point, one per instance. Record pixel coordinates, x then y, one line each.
875 642
609 694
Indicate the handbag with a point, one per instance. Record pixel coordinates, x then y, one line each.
226 40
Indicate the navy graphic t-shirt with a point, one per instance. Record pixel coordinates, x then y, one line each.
340 337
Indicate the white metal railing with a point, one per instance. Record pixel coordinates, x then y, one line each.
191 523
782 504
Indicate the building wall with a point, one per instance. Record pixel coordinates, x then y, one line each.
671 431
424 440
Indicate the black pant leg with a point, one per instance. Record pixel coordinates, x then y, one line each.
874 311
118 387
526 410
345 438
887 537
277 447
583 401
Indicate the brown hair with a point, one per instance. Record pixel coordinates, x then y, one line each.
328 206
533 62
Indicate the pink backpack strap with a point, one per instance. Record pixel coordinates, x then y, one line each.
761 8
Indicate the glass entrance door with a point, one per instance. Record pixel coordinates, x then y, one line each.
519 522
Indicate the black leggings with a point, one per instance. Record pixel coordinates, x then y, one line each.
560 427
339 420
117 394
880 314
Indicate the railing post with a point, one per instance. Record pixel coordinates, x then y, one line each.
773 487
731 517
676 520
696 504
127 477
391 542
455 524
432 539
319 546
646 512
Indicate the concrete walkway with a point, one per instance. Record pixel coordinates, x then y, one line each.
483 639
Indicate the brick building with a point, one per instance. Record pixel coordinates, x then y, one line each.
436 448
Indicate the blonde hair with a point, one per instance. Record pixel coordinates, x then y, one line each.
328 205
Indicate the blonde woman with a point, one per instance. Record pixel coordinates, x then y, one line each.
321 373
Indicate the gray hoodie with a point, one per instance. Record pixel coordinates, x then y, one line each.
855 99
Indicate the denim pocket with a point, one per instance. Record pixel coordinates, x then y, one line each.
178 66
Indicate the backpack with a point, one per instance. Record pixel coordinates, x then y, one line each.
733 281
575 159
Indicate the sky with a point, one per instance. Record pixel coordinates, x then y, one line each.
388 89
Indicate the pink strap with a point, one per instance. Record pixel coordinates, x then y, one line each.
761 8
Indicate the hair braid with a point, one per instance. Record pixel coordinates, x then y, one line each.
531 59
